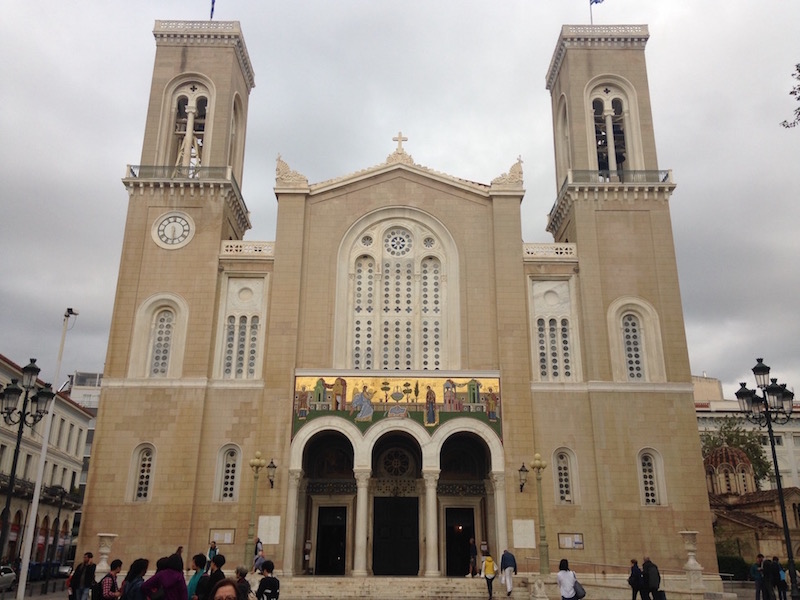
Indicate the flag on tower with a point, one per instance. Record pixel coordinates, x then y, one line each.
212 9
595 1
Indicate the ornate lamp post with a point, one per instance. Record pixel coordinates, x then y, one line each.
257 463
540 465
12 416
774 406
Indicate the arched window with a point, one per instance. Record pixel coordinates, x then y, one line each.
161 342
632 341
634 334
651 478
565 476
244 303
613 121
142 475
228 467
396 295
189 126
553 340
159 337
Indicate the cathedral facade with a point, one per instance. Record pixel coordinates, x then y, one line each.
398 354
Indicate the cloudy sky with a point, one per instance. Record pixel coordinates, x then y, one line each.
464 80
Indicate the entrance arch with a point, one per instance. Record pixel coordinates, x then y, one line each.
395 480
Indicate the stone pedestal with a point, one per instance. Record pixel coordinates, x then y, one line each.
105 540
692 568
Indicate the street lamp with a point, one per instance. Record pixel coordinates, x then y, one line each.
257 463
9 399
774 406
540 465
50 556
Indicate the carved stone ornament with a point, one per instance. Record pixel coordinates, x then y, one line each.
285 176
513 177
399 156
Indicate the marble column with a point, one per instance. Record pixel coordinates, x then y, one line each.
499 483
431 525
362 515
295 475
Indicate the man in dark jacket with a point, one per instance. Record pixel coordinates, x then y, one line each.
508 568
83 577
651 579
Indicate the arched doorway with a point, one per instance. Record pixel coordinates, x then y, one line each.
396 492
465 465
330 494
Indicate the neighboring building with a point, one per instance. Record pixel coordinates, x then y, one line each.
398 351
85 390
62 470
712 409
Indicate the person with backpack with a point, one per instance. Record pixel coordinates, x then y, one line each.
107 588
488 571
132 584
269 588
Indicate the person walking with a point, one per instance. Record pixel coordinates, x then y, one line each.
508 568
769 574
198 565
566 580
269 588
780 584
109 589
83 577
488 571
757 575
132 584
473 558
170 579
651 579
212 552
635 580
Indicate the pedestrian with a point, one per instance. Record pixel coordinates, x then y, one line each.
198 565
109 589
769 573
241 581
566 580
473 558
781 580
226 589
635 580
757 575
651 579
170 579
258 562
269 588
83 577
488 571
508 568
215 574
212 552
132 584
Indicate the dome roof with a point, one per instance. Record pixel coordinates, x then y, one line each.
726 455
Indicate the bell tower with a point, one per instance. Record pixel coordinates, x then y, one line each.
613 202
184 201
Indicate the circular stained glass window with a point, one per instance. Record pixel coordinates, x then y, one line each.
397 242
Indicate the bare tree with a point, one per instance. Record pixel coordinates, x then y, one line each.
796 93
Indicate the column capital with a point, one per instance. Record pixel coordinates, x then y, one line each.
498 479
431 478
295 475
362 476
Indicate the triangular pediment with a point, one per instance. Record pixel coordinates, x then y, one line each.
289 180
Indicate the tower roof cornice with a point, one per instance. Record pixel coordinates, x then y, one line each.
586 36
207 33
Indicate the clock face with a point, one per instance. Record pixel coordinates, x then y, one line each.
173 230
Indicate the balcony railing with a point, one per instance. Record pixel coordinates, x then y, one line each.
181 173
619 176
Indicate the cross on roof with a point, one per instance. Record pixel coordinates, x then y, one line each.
399 139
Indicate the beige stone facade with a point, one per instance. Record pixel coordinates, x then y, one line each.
398 351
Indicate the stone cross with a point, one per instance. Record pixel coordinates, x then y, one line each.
399 139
